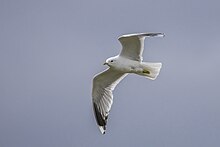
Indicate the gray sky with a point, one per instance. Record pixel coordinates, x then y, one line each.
50 50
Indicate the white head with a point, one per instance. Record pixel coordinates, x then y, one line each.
111 61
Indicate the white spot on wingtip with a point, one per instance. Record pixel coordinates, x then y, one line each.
161 35
102 130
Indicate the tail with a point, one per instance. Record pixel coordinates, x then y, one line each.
150 70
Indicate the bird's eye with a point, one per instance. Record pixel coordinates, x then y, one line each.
111 61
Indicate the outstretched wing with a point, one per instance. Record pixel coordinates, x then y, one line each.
102 97
133 45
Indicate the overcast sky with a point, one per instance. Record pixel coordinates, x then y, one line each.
50 50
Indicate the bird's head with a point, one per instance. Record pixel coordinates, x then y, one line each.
110 61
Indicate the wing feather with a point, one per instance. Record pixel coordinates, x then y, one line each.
133 45
102 96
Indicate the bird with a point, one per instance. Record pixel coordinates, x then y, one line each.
129 61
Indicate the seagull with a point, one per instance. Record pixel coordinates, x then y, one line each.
128 61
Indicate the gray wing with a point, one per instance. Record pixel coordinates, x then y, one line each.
133 45
102 97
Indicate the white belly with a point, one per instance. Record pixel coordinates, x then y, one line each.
128 66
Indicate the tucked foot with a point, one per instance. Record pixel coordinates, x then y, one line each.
146 71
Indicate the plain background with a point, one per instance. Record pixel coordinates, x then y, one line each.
50 50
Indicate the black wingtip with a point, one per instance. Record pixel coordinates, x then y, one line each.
153 34
99 119
142 35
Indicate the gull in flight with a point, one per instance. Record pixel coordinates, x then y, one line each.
128 61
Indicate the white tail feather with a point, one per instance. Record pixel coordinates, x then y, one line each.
150 70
